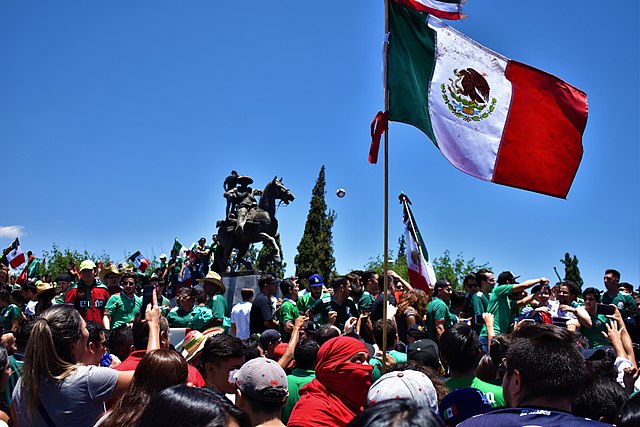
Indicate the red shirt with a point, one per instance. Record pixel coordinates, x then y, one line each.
90 301
131 362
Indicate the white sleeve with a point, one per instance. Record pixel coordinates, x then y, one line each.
621 364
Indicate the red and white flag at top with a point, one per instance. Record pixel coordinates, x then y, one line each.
15 256
139 261
446 9
419 268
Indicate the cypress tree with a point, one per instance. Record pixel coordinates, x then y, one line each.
571 270
315 251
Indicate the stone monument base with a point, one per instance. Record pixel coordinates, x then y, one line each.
234 282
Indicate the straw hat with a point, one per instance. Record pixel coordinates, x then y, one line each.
42 287
112 269
213 277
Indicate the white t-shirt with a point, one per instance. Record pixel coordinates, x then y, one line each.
78 400
240 317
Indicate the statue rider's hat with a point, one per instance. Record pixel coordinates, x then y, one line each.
245 180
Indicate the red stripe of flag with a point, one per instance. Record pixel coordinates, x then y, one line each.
544 129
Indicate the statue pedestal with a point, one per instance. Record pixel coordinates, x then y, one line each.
234 282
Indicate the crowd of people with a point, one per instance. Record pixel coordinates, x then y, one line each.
92 347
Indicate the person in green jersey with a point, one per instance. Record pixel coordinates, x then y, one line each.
461 350
625 303
439 317
501 301
305 355
288 312
11 312
315 294
187 314
123 306
216 302
593 327
480 300
336 309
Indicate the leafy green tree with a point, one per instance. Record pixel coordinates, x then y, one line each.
399 264
315 251
455 269
272 267
58 260
571 270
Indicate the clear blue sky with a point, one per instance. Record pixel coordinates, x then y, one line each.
120 120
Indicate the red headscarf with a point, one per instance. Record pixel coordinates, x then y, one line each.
339 390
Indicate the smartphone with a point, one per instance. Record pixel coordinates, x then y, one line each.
477 319
605 309
147 296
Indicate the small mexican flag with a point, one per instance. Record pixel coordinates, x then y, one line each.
491 117
139 261
180 249
15 256
419 267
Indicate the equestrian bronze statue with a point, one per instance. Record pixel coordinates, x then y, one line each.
250 220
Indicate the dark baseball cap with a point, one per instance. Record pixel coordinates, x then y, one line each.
506 277
424 352
270 336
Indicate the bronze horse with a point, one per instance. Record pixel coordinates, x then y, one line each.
261 226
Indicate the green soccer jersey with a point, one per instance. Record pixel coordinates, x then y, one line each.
479 304
198 318
493 392
594 333
305 302
438 313
365 302
500 307
121 309
9 314
345 310
625 303
288 313
218 306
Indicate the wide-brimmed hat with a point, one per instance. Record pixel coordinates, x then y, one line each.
112 269
213 277
244 179
42 287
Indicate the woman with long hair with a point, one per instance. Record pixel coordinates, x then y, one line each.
339 391
157 370
184 406
55 390
412 310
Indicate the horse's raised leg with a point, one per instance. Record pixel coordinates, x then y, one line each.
240 257
271 242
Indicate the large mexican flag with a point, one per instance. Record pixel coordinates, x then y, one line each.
493 118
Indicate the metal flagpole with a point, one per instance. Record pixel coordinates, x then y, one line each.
386 190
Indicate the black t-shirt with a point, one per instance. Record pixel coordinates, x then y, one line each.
261 310
528 417
376 308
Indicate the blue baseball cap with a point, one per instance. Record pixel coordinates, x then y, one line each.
316 280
